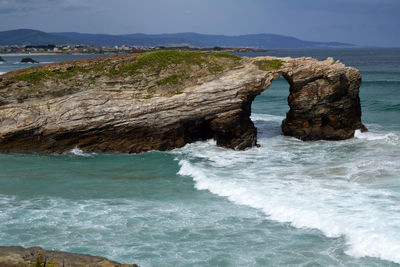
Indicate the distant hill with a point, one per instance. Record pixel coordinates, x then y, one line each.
265 41
31 37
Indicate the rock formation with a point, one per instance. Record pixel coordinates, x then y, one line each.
2 59
323 100
28 60
36 256
163 100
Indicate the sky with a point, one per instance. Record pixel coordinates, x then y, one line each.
361 22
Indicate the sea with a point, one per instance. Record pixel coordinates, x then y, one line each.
285 203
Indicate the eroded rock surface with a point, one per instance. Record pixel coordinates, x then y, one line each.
165 100
324 100
36 256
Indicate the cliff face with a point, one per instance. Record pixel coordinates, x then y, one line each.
163 100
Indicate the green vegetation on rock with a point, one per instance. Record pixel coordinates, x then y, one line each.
173 79
226 55
159 73
154 62
267 65
161 60
41 261
35 77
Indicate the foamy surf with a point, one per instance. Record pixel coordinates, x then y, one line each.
78 152
374 136
266 117
335 187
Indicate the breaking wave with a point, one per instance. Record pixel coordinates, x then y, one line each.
340 188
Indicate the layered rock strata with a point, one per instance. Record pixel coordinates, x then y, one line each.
36 256
164 100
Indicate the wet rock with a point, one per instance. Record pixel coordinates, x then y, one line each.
2 59
28 60
36 256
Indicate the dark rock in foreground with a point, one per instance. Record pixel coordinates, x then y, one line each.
28 60
36 256
164 100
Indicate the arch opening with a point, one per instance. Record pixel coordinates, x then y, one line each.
269 109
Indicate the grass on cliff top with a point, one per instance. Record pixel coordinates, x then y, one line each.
35 77
267 65
153 61
161 60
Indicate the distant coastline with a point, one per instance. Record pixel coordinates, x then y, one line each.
263 40
83 50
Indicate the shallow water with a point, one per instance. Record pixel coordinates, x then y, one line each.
287 202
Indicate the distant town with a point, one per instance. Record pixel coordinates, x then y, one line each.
90 49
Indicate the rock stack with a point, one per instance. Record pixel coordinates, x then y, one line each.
28 60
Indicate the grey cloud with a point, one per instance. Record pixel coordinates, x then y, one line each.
23 6
11 6
74 4
342 5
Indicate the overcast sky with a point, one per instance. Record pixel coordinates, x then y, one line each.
362 22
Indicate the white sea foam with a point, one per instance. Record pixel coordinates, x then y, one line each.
77 152
335 187
373 136
266 117
1 73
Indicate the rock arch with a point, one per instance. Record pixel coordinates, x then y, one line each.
323 99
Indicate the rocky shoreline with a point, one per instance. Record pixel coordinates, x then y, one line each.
166 99
14 256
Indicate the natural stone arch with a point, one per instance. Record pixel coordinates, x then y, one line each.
114 115
323 100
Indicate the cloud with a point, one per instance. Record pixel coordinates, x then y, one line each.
23 6
29 6
11 6
74 4
348 6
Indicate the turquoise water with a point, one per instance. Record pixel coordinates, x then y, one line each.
286 203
